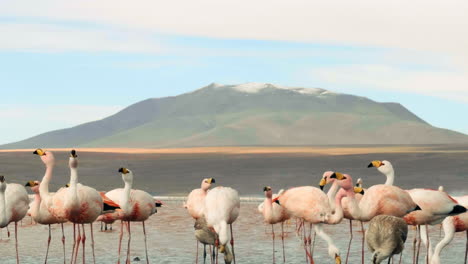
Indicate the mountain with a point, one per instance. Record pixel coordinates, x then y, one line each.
250 114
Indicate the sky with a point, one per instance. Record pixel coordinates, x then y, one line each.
63 63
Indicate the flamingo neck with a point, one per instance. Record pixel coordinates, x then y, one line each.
267 208
449 231
44 187
337 216
36 205
390 178
353 204
4 218
332 194
72 200
126 197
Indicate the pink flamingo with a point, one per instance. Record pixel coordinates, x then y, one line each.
435 205
14 204
41 215
136 206
273 213
196 204
312 205
379 199
78 204
452 224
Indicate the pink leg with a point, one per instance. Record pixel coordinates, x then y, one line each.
78 241
232 244
362 244
427 246
414 244
8 232
401 255
146 247
74 244
63 243
305 243
92 243
16 240
120 239
282 240
350 239
419 245
83 239
48 244
466 247
196 258
128 246
273 235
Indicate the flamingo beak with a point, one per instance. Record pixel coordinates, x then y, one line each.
359 190
375 163
337 259
222 249
338 176
30 184
39 152
322 183
211 180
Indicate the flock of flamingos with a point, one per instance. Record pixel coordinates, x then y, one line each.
388 209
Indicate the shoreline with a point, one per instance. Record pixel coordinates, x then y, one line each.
325 150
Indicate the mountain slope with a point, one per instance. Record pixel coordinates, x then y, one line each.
251 114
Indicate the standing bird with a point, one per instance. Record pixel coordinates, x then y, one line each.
312 205
222 206
452 224
435 205
135 205
41 215
273 213
14 204
196 199
207 236
385 237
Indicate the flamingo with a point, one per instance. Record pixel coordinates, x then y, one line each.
14 204
312 205
452 224
379 199
196 199
435 205
273 213
41 215
386 236
222 205
136 206
78 204
359 192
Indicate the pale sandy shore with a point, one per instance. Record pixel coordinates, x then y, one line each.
266 150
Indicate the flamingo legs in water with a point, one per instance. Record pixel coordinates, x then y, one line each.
232 245
83 240
196 258
92 243
273 235
120 239
146 247
419 244
128 246
282 240
414 244
350 239
78 240
16 242
401 255
63 243
48 244
362 243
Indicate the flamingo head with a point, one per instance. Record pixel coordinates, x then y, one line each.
206 183
384 166
34 185
2 183
46 156
326 179
73 162
127 175
268 192
344 180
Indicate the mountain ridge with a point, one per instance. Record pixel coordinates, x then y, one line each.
250 114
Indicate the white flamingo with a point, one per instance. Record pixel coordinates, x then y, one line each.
135 205
14 204
222 205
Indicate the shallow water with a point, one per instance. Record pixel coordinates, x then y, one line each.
171 240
